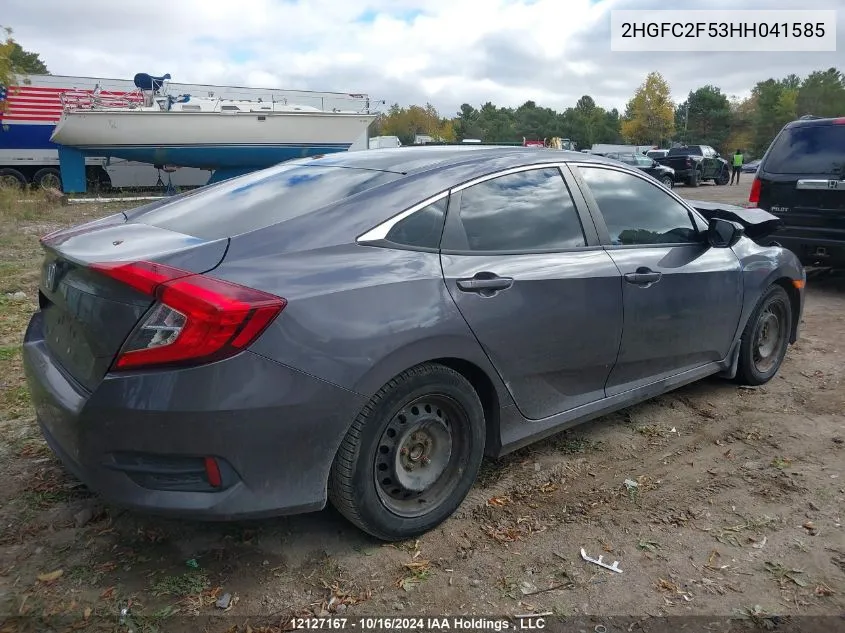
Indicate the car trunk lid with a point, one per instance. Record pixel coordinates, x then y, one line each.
88 315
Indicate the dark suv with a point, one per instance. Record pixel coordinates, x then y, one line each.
801 179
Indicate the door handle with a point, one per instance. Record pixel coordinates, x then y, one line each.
643 277
485 283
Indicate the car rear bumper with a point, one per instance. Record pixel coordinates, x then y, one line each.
813 251
137 438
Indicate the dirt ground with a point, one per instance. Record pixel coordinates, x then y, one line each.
733 508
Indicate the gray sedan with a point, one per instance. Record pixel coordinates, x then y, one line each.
365 327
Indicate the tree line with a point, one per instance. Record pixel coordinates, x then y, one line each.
707 116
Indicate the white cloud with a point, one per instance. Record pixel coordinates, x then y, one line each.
408 51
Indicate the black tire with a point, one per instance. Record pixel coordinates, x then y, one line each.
668 181
372 481
695 179
11 178
48 178
724 178
760 357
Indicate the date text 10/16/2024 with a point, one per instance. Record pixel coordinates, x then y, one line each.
524 623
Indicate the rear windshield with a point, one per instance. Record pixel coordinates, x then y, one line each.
685 151
261 199
808 149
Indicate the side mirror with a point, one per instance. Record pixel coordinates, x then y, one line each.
724 233
654 162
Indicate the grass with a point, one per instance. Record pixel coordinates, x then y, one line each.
188 583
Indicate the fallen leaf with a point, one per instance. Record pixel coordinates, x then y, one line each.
87 613
498 501
408 583
107 593
51 576
824 590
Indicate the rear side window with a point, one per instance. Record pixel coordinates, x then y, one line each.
526 211
261 199
421 229
808 149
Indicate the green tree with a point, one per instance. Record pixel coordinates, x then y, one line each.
466 123
822 93
768 115
705 117
25 62
650 114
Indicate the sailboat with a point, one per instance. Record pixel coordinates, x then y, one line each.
148 125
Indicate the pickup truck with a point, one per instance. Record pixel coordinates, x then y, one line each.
696 163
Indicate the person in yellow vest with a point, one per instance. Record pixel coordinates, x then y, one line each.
737 166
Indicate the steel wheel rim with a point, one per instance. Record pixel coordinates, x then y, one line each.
769 336
9 182
51 181
667 181
421 454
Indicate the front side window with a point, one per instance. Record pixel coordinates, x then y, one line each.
526 211
637 212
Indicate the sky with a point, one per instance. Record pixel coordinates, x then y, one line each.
446 52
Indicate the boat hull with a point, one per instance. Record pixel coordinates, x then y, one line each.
210 140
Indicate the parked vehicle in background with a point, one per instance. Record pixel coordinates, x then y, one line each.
605 148
750 168
364 327
661 173
383 142
657 153
801 179
693 164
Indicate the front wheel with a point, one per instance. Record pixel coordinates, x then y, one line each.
765 338
412 454
723 178
668 181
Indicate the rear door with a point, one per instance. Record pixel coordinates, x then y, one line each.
681 298
802 179
542 297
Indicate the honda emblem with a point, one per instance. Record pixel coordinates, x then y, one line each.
833 184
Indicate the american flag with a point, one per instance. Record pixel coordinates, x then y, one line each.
29 104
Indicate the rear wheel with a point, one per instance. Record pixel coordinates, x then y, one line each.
48 178
766 338
695 179
411 455
11 179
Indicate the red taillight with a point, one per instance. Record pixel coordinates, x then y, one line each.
212 472
839 121
754 196
196 319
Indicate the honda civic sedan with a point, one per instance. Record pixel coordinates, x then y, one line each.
363 328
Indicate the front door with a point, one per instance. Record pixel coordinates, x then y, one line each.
539 293
682 298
